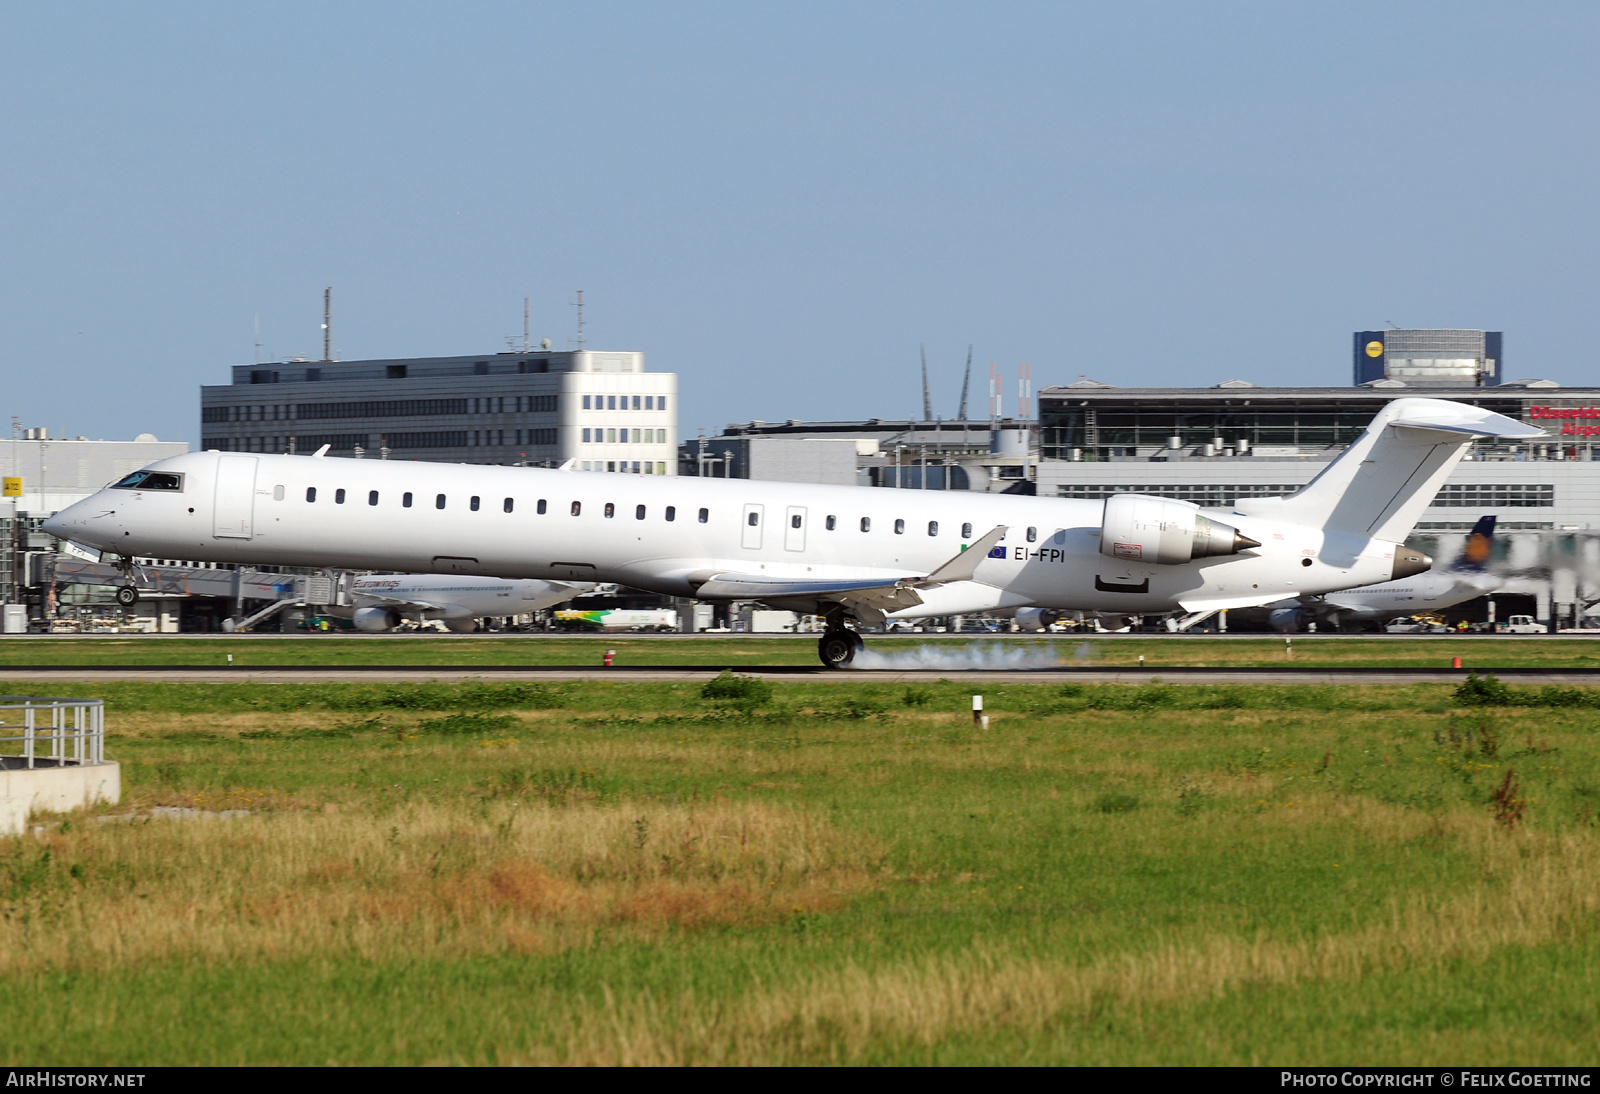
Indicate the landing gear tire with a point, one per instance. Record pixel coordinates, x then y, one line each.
127 596
838 648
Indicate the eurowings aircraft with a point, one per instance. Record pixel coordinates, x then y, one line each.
858 554
1441 587
382 600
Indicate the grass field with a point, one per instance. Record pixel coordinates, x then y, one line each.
599 872
746 651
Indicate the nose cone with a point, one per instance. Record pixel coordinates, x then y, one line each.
73 523
58 526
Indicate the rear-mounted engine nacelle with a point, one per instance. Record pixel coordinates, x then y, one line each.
1137 528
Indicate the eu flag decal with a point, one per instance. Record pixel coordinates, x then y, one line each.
996 551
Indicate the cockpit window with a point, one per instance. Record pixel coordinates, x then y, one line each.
150 480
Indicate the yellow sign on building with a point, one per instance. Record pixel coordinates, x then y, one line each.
13 487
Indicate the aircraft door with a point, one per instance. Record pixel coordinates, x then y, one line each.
233 505
794 529
750 529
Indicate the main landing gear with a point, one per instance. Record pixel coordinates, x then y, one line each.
837 648
127 596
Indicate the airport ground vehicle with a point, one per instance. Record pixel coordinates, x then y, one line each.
1407 624
660 620
1521 624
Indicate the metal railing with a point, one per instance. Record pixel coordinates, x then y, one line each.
52 732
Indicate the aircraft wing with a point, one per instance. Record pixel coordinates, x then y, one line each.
395 602
872 593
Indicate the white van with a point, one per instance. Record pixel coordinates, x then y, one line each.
1522 624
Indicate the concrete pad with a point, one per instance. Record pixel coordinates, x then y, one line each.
13 816
53 790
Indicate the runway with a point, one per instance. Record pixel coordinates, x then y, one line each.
285 674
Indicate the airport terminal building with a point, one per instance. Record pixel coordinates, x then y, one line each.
1236 440
1214 445
539 409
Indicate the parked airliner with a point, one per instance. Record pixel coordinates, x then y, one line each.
381 601
1442 587
847 553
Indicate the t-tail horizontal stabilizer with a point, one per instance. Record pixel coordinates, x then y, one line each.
1379 486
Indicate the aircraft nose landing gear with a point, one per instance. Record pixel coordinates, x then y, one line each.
127 596
837 648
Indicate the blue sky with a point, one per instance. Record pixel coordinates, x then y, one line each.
782 202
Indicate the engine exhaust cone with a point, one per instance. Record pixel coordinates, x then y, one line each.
1409 563
1215 538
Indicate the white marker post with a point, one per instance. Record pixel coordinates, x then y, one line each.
979 719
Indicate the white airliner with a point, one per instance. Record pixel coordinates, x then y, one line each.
846 553
381 601
1441 587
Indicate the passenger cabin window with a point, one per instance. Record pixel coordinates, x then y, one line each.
794 521
405 499
672 513
611 510
372 497
338 496
577 507
899 527
638 512
866 524
705 515
150 480
966 531
540 508
473 503
509 505
933 527
755 518
311 493
1033 534
438 501
831 523
277 493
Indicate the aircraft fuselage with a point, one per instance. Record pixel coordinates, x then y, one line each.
670 534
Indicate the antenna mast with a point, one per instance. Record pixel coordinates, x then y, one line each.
580 320
327 323
927 406
966 381
524 324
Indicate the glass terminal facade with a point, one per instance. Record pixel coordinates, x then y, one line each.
1113 423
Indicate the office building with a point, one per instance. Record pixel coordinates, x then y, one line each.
1449 358
539 409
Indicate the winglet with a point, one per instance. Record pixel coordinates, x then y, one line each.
965 563
568 465
323 451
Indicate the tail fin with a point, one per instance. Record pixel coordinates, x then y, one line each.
1475 554
1380 485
